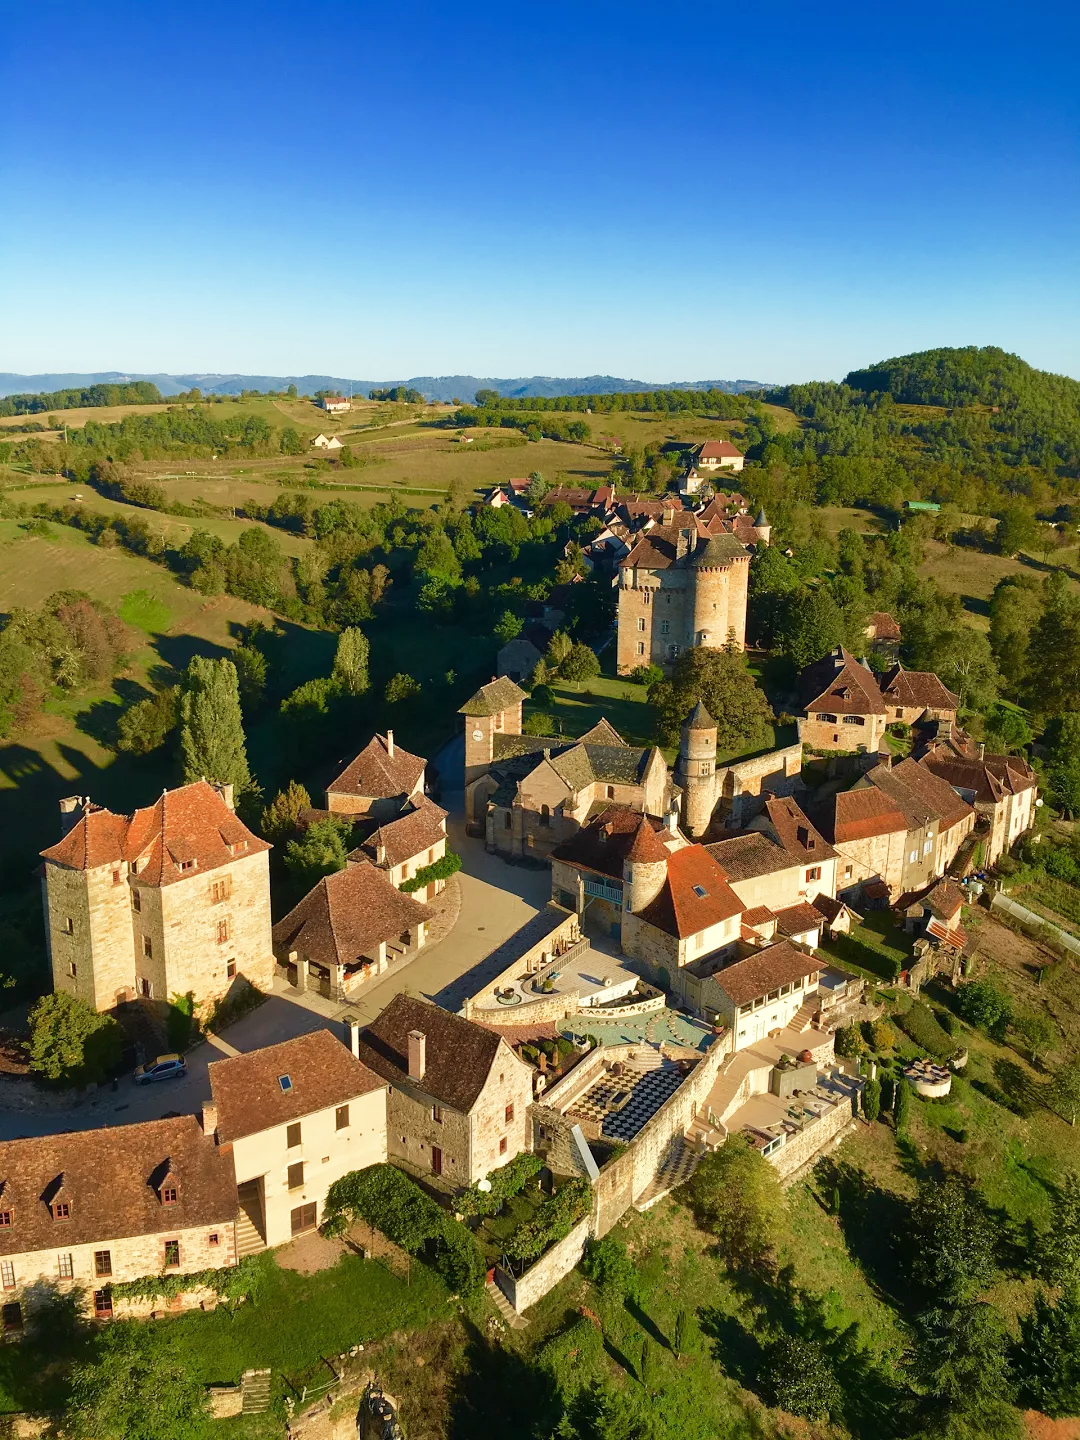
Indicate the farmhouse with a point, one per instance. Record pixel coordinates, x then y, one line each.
170 900
335 404
379 783
718 455
326 442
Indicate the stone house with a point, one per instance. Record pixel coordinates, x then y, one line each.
764 991
296 1117
170 900
88 1209
924 797
718 455
518 658
335 404
912 696
409 844
883 632
780 864
843 704
457 1106
379 783
680 588
937 915
1003 789
869 830
326 442
348 929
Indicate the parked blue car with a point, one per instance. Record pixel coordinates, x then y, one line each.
165 1067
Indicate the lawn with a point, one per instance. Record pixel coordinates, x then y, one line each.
579 705
876 949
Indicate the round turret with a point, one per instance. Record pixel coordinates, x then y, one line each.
696 770
644 868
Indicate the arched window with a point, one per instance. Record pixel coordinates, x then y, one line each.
545 815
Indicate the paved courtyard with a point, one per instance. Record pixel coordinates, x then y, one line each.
496 899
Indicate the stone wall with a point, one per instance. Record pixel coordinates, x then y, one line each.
548 1270
800 1148
524 959
196 959
739 786
88 931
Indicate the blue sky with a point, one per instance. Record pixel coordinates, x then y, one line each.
664 191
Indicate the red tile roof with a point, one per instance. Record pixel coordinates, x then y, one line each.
944 900
646 848
375 774
745 857
191 824
862 813
679 909
839 685
990 779
112 1180
919 689
458 1054
765 971
409 835
601 845
759 915
935 794
797 835
347 915
718 450
883 626
321 1072
798 919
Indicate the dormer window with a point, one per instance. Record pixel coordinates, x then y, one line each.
186 865
61 1210
7 1219
169 1194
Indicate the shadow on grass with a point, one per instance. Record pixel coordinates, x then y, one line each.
497 1392
873 1221
648 1325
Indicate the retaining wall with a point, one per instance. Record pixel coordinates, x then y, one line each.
548 1270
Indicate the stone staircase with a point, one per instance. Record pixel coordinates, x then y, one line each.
505 1309
803 1017
675 1169
255 1389
249 1239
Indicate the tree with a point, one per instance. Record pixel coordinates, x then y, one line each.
1065 1090
849 1042
70 1042
320 851
1046 1358
559 647
686 1333
960 1363
581 663
147 724
607 1264
721 681
1058 1248
883 1035
280 817
901 1106
981 1003
1017 530
290 441
736 1196
649 1366
212 731
1015 609
1062 744
950 1240
1036 1030
812 625
351 661
871 1099
401 687
251 671
538 488
135 1388
802 1379
1053 678
508 627
1007 729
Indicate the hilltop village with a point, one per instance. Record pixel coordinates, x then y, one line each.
679 984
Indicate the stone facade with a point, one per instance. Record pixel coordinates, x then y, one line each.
39 1275
552 1266
739 786
664 611
827 731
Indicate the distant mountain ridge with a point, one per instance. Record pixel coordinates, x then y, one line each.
432 387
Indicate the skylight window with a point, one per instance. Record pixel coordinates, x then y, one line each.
285 1082
700 891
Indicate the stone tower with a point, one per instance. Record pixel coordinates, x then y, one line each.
695 772
720 568
644 869
495 709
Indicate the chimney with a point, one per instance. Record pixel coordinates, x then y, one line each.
225 790
417 1054
389 744
668 517
982 753
209 1119
352 1034
71 807
671 819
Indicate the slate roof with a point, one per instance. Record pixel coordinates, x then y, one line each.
493 698
459 1054
111 1179
718 550
375 774
601 845
678 909
765 971
699 719
602 733
797 835
190 824
917 688
839 685
322 1072
408 835
346 915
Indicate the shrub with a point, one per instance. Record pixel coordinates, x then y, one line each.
552 1223
981 1003
607 1264
70 1043
921 1025
849 1042
882 1035
447 865
510 1180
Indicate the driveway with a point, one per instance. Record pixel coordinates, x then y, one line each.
496 900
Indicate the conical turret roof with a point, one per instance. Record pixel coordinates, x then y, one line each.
646 847
761 520
700 719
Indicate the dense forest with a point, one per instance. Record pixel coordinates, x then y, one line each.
137 392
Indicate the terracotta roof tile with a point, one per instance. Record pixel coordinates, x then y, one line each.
798 919
601 845
411 834
917 688
695 895
745 857
718 450
186 830
346 915
647 848
839 685
112 1180
321 1072
935 794
797 835
375 774
767 970
883 625
459 1053
861 813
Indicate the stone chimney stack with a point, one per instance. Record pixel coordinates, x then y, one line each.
71 812
390 744
417 1054
352 1034
668 517
225 790
210 1119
